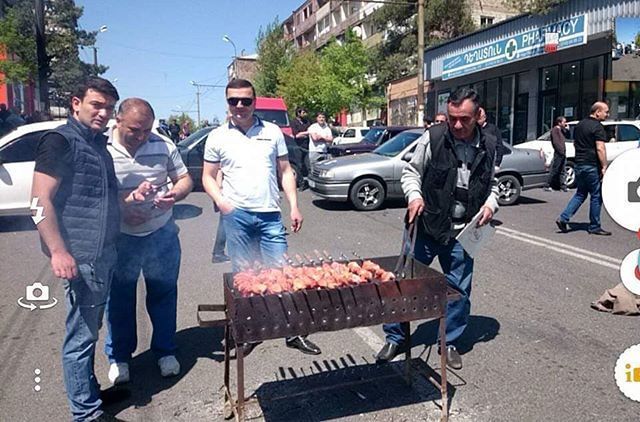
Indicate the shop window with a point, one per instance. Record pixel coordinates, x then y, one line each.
506 107
549 78
570 91
593 70
486 20
634 107
616 94
479 88
491 101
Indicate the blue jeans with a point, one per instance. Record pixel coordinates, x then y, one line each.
157 256
457 266
86 298
254 237
588 182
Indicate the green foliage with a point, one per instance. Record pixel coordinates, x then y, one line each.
637 39
181 118
19 45
329 81
396 57
274 53
532 6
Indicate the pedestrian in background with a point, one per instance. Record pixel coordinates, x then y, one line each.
589 138
320 136
174 130
556 180
299 127
440 118
148 241
495 132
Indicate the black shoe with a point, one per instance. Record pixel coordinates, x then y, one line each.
114 395
454 361
105 417
216 259
388 352
562 225
600 232
304 345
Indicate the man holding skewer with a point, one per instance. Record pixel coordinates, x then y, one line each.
145 166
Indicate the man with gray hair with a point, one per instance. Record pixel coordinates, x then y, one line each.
146 165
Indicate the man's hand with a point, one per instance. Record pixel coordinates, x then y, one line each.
166 201
141 193
63 265
487 216
225 207
296 220
415 209
603 170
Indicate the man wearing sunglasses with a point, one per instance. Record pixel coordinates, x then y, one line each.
252 154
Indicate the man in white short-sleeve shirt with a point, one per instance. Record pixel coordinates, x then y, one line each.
148 243
251 154
319 137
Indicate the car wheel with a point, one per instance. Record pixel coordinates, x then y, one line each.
570 175
509 189
367 194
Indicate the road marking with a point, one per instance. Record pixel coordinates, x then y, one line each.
595 258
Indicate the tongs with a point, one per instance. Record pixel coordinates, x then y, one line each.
407 250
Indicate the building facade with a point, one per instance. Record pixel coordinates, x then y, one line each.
243 67
525 85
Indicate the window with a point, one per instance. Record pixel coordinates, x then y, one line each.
22 149
593 70
549 77
628 133
486 20
569 91
505 114
491 102
349 133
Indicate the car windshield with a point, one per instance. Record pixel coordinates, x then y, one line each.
279 117
395 145
373 136
195 137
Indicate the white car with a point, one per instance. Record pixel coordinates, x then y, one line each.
17 161
622 134
351 135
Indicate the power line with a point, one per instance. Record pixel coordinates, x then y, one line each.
163 53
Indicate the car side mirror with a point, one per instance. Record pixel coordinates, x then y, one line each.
408 156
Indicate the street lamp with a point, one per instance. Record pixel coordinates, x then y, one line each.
226 38
103 28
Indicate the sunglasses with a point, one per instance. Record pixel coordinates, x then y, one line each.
233 101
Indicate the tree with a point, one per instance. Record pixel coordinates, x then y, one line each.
274 53
637 40
300 82
396 56
19 46
181 118
532 6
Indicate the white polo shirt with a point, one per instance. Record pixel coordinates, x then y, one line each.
155 161
324 131
249 163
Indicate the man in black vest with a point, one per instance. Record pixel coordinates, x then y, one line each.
75 184
299 127
450 177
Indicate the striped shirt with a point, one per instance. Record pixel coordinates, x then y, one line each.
155 161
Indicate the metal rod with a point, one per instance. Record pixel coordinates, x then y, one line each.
443 369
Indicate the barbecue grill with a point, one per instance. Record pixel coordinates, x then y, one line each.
418 293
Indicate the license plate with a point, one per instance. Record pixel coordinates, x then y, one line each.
312 184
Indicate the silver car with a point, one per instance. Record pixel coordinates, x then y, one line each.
367 180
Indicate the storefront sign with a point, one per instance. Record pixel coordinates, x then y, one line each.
571 32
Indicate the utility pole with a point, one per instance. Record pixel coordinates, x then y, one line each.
43 60
420 62
197 85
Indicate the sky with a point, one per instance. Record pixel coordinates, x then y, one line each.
154 48
626 29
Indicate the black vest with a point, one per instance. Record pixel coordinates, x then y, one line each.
440 179
84 201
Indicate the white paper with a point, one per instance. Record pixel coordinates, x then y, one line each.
473 238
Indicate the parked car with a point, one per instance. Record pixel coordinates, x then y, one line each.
622 134
17 161
351 135
375 137
274 110
192 152
367 180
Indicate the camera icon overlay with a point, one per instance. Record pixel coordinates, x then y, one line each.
621 190
630 272
37 296
627 372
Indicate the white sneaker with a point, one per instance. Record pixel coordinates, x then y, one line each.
169 366
119 373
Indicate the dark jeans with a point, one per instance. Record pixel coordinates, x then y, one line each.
457 266
556 173
588 182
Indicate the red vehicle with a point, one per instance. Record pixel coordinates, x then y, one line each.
274 110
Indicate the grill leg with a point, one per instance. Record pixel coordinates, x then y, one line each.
240 381
406 327
443 370
228 400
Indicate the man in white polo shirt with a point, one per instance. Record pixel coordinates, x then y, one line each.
319 137
148 243
251 154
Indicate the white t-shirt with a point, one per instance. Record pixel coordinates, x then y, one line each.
249 163
324 131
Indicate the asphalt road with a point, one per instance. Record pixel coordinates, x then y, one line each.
534 349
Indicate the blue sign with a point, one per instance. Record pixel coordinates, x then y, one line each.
571 32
